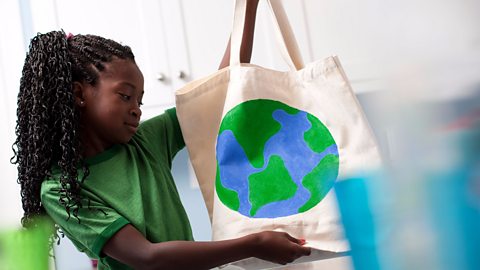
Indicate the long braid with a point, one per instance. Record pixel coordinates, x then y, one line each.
47 118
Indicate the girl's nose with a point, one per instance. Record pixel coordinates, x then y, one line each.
137 112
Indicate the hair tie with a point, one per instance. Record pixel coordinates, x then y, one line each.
69 36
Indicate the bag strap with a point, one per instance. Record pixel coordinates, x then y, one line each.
285 38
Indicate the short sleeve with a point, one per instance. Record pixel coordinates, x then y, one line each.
162 134
177 131
95 225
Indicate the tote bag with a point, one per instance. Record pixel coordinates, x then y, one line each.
267 146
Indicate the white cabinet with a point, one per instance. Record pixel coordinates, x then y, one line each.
354 31
176 41
173 41
351 30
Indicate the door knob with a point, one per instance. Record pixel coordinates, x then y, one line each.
161 77
181 74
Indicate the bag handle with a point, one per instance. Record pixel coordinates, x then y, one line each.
283 32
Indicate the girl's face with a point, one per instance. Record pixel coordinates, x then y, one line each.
110 110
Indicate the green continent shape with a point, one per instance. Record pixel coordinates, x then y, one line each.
270 185
326 173
252 125
229 197
318 137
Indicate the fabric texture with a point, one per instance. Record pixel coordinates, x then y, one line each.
128 184
267 146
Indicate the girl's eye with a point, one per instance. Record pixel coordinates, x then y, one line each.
128 98
124 97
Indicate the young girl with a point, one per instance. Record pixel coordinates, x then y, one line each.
85 160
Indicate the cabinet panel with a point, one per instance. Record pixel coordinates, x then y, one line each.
353 31
207 26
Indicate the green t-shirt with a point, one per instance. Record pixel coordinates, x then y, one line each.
128 184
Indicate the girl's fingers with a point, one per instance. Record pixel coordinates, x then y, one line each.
296 240
303 251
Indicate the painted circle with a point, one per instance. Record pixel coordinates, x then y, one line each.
273 160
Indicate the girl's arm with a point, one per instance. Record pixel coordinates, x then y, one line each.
247 39
129 246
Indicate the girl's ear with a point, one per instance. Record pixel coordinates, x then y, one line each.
78 92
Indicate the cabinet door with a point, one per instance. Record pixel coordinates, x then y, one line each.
351 30
137 24
194 33
206 27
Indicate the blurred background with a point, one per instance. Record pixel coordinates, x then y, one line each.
414 66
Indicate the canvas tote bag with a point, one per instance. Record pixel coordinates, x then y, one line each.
267 146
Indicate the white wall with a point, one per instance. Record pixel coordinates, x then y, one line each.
12 54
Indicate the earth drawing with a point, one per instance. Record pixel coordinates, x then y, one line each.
273 160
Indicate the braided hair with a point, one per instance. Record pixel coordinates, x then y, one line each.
47 126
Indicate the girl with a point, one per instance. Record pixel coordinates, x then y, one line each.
85 160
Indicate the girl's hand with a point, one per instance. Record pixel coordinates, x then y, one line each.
278 247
